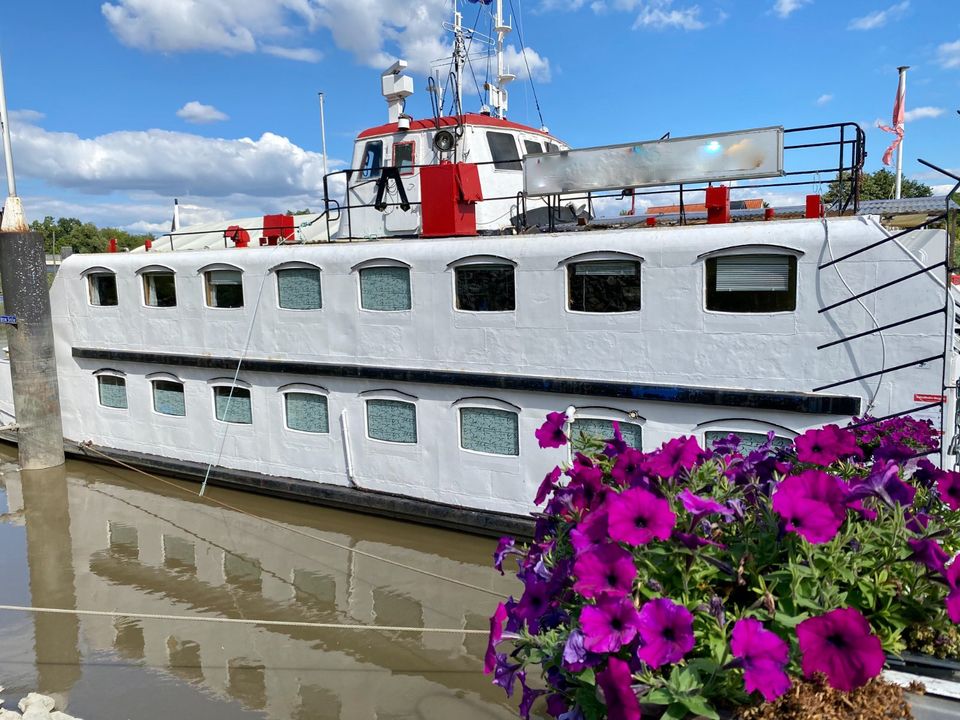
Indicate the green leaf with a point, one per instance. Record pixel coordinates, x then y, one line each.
659 696
677 711
591 706
698 705
588 676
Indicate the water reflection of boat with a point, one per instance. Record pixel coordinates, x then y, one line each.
96 543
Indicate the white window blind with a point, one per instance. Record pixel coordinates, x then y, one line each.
753 273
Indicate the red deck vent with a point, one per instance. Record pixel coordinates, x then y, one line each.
240 237
449 194
112 245
814 206
718 205
277 228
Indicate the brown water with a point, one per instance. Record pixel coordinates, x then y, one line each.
95 537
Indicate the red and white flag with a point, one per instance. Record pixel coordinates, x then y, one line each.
897 128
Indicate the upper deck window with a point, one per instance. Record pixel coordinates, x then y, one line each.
386 289
604 286
752 283
503 151
404 157
372 160
159 289
298 288
532 147
224 288
103 288
485 288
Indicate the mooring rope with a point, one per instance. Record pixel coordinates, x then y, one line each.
88 446
240 621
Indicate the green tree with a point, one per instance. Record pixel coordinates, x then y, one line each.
878 185
305 211
82 237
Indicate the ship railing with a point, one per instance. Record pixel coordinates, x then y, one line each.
816 157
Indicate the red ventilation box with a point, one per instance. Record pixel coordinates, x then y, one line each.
449 193
718 204
277 228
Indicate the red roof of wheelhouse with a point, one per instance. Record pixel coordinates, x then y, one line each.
450 121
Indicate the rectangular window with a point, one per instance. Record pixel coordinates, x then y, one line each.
307 412
748 441
404 157
752 283
103 289
372 160
233 405
168 398
604 286
491 431
385 288
552 147
503 151
224 288
485 288
392 421
299 289
159 289
593 428
532 147
113 391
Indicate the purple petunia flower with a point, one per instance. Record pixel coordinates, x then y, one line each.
884 482
608 625
605 570
534 603
621 700
496 634
841 645
700 506
813 504
547 485
591 531
666 630
728 445
679 454
629 468
550 434
504 547
824 446
953 597
505 674
929 553
927 474
764 655
916 522
529 696
638 517
948 485
615 445
574 654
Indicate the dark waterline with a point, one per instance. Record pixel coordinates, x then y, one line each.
100 538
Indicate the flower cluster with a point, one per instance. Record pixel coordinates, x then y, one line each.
695 579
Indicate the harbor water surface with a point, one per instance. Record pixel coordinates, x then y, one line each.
96 537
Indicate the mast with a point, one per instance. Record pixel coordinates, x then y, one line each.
503 77
459 55
903 90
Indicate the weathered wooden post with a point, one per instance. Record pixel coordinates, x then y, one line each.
33 364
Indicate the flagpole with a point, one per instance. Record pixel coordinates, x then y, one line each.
903 87
323 135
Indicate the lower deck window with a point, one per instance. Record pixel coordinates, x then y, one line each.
748 441
233 405
604 286
584 429
752 283
168 398
224 288
307 412
392 421
490 431
113 391
486 288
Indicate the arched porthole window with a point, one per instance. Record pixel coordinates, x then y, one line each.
159 286
111 388
305 408
223 286
752 433
232 401
298 286
596 423
489 426
391 417
384 285
603 282
168 394
484 283
101 287
751 279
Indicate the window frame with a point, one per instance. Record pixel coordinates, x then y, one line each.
119 375
413 156
482 261
277 269
600 257
753 249
381 263
365 174
497 164
95 272
739 425
529 141
305 389
205 271
149 270
154 378
487 403
393 396
608 414
219 383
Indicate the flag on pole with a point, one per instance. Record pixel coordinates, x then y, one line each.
897 128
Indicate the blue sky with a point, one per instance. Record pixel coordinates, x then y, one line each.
119 107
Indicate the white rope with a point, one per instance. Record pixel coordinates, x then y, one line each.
238 621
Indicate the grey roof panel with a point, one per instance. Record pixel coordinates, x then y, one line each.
935 204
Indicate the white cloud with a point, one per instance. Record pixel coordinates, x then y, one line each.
879 18
26 116
824 99
949 54
198 113
301 54
784 8
922 112
539 66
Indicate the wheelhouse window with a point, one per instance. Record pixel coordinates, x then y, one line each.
168 398
552 147
233 404
604 286
503 151
102 287
532 147
224 288
582 430
159 289
385 289
749 441
372 160
491 431
485 288
392 421
404 157
752 283
112 391
299 289
306 412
